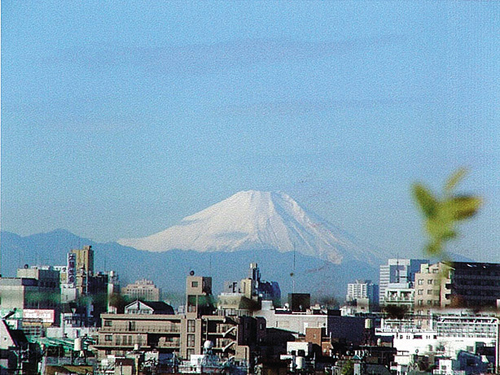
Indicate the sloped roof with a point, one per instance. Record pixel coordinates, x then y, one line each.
158 307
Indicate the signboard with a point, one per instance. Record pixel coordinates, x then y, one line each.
71 278
46 316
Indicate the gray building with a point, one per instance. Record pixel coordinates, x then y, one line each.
33 288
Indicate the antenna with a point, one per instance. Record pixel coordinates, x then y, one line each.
292 274
397 269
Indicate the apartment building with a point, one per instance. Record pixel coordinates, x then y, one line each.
145 325
362 295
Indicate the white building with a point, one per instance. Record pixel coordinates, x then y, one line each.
361 289
450 333
398 271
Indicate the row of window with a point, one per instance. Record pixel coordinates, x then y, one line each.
421 281
429 292
429 302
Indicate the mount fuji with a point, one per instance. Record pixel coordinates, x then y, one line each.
255 220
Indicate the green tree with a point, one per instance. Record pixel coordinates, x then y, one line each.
348 368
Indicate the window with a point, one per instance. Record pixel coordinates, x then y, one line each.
429 291
191 325
420 292
429 281
108 338
190 340
420 281
108 323
194 284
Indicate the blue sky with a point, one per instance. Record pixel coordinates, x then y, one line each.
119 119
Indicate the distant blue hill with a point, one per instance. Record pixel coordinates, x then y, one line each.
169 269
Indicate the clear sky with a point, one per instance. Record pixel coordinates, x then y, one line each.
121 118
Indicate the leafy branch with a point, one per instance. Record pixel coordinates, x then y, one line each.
442 214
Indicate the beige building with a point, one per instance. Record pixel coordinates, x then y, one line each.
84 268
144 290
84 259
430 288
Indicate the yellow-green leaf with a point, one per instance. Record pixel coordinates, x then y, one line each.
454 179
428 204
464 207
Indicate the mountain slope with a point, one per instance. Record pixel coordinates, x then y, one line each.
254 220
169 269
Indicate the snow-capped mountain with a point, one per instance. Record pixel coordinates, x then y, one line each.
255 220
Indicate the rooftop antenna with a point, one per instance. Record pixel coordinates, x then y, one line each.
292 274
397 269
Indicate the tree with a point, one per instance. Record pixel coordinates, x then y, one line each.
348 368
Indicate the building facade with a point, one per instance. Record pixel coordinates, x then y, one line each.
181 336
143 289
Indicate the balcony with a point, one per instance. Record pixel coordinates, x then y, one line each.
162 343
143 329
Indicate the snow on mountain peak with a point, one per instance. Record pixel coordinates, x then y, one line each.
253 220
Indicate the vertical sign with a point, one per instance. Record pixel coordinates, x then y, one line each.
71 269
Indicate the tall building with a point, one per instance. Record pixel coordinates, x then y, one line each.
472 285
362 289
144 290
84 265
199 298
84 259
400 273
248 293
68 279
363 294
429 283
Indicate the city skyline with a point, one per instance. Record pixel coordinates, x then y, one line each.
120 121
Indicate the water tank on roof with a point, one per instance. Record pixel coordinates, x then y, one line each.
300 363
77 345
208 345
